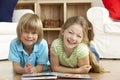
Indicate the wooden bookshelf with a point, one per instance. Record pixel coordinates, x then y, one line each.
54 11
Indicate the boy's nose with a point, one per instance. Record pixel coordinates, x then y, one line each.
29 34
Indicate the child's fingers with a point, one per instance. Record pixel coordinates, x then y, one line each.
33 70
28 64
87 66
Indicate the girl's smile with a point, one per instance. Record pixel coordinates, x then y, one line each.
73 36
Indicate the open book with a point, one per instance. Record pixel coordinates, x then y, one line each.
54 76
39 76
73 76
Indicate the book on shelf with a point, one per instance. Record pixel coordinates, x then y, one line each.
54 76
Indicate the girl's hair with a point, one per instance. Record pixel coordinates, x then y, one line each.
30 22
77 20
96 68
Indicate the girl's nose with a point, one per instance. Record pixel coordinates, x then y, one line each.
74 37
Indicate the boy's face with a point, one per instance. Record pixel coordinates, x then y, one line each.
29 38
72 36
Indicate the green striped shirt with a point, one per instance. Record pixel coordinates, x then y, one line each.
79 52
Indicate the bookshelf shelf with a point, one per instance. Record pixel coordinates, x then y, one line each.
55 10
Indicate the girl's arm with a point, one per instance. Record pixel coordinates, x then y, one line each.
84 65
56 67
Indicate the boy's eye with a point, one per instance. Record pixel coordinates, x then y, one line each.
34 32
26 32
30 32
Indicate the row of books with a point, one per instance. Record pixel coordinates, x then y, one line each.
54 76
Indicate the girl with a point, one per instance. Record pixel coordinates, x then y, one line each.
70 52
29 51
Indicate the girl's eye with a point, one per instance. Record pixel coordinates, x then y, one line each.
79 36
70 32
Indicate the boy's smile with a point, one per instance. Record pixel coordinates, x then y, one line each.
29 38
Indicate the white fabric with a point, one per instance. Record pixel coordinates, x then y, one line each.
7 28
4 45
8 32
106 32
112 28
17 14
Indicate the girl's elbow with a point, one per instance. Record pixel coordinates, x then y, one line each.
54 69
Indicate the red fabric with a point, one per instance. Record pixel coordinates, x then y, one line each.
113 7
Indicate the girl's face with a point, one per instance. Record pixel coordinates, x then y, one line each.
72 36
29 38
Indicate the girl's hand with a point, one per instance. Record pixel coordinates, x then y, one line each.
84 69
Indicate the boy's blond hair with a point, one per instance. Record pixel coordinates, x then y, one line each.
30 22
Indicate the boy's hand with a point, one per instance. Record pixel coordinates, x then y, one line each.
27 68
33 70
30 69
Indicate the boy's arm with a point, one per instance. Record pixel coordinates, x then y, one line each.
18 69
37 69
27 69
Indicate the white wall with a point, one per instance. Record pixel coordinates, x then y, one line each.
97 3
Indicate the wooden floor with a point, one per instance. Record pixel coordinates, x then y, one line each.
113 66
6 71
